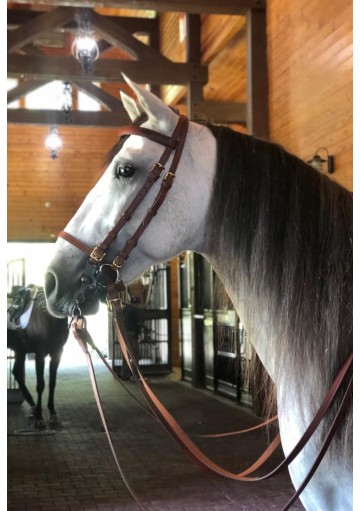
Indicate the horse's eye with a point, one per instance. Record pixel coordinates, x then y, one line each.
125 170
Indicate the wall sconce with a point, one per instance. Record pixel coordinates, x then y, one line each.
53 142
317 162
84 47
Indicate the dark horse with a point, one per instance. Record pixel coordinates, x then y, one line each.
44 335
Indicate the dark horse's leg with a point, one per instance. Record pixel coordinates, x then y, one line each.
19 375
54 364
40 385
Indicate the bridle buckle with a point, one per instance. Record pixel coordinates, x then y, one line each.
97 255
118 261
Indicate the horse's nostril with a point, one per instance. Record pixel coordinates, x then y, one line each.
50 283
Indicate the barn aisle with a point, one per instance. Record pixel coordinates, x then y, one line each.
73 469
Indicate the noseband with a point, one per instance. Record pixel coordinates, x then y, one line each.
175 144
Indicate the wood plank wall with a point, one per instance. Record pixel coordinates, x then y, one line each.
43 194
310 79
223 49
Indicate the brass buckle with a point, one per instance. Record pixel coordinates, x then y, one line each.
170 175
156 170
158 164
97 258
118 261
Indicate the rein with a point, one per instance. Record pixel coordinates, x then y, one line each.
95 270
175 430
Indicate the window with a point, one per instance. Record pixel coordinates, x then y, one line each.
86 103
11 84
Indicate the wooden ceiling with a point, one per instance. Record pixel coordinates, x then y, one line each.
213 70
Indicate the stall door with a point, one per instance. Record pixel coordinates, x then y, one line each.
150 295
232 351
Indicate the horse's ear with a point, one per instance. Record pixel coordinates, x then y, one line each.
153 106
130 106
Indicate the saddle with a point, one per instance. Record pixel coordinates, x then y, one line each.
22 300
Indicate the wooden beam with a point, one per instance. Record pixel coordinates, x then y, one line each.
88 88
104 70
86 119
24 88
193 56
257 75
100 95
122 38
190 6
154 42
226 112
15 18
33 28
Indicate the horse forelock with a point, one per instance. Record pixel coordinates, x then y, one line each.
285 241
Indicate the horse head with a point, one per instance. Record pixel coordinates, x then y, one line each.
178 225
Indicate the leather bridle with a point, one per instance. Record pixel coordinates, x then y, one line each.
173 144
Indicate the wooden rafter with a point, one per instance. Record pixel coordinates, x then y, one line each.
227 112
35 27
16 18
99 95
24 88
190 6
122 38
46 117
257 75
105 70
88 88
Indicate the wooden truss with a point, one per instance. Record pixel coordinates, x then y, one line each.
147 65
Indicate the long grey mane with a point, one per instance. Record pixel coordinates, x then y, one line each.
284 234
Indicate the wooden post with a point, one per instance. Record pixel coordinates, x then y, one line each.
193 55
198 369
154 42
257 74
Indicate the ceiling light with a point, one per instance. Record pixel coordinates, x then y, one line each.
53 142
84 47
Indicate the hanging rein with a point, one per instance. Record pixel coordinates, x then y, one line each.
96 271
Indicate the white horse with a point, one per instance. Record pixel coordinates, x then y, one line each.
277 233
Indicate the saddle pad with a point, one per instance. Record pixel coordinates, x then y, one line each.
25 317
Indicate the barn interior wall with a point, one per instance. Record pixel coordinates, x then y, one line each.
43 194
310 79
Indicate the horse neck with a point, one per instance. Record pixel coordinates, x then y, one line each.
279 237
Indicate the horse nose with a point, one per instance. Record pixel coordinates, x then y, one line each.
50 284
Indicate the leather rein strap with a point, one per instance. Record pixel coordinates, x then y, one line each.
175 144
176 431
170 424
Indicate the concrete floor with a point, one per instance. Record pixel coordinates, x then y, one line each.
73 469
